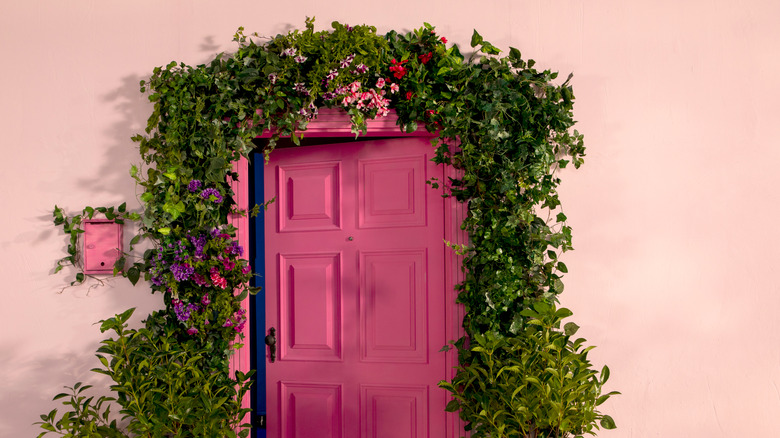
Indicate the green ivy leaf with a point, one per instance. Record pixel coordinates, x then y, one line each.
215 172
607 422
570 328
476 39
133 274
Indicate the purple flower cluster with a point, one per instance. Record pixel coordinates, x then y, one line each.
194 185
179 250
182 272
183 310
157 269
235 249
192 269
211 194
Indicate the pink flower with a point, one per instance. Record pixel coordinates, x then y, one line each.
380 83
239 319
219 282
354 87
217 279
394 88
192 331
205 300
236 321
200 280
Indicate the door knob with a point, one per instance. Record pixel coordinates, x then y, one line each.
270 341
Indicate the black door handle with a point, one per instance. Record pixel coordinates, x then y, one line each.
270 341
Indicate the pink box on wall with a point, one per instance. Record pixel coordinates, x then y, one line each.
102 245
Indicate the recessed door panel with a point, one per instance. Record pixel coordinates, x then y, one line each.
310 306
309 197
311 410
392 192
393 295
394 411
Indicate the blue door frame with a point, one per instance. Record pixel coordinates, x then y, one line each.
257 302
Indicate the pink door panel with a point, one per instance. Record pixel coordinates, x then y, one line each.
310 301
393 309
355 289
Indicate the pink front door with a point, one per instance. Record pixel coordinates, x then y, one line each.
355 288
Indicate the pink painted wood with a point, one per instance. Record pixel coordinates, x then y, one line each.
240 361
334 123
355 288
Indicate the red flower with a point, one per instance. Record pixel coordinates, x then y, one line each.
398 68
444 40
425 57
409 95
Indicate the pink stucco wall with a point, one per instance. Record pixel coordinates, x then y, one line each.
673 213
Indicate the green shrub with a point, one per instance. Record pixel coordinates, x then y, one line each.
537 383
164 386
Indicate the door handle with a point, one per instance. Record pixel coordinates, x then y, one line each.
270 341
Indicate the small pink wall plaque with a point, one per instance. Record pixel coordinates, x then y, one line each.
102 245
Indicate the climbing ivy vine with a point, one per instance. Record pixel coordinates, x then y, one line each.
506 126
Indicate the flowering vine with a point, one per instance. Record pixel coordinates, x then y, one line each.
194 271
